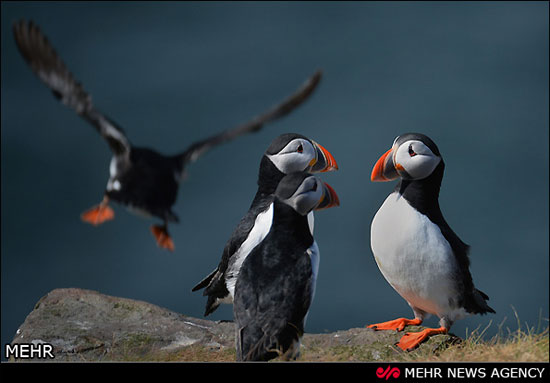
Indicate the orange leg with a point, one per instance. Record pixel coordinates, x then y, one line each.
163 238
396 324
411 340
99 213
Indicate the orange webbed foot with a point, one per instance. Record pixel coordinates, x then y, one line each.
164 241
98 214
412 340
396 324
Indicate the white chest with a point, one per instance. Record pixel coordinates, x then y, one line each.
259 231
413 255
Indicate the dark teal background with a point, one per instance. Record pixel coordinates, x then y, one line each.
472 76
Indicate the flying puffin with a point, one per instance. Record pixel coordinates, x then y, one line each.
141 179
288 153
415 249
276 283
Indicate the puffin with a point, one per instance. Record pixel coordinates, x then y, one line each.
141 179
416 250
287 153
276 283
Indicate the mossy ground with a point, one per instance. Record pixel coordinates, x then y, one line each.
84 325
518 346
143 349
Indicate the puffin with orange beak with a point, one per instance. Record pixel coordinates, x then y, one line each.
288 153
276 282
140 179
415 249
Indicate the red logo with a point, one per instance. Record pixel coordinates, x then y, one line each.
388 372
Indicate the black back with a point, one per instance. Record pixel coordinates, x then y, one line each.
148 183
274 288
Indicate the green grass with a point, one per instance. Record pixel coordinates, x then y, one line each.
519 346
524 344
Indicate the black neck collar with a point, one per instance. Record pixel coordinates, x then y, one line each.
268 177
423 194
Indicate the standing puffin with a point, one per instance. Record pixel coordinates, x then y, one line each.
276 283
141 179
415 249
286 154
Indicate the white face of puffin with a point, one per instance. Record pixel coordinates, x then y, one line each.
410 159
414 160
301 154
307 196
305 193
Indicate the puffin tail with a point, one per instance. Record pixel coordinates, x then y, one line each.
211 288
205 282
480 299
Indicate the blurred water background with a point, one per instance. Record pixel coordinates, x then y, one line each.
473 76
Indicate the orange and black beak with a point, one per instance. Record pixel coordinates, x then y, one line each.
324 162
329 198
384 169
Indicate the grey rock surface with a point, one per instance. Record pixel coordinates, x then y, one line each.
84 325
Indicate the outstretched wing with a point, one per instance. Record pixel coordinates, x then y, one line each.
48 66
280 110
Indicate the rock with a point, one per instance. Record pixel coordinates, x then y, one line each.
84 325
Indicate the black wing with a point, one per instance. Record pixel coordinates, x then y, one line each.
473 300
420 195
272 298
278 111
48 66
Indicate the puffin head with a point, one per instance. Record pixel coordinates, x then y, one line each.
305 192
413 156
293 152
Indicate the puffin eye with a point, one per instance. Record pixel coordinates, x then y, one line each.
411 151
300 149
